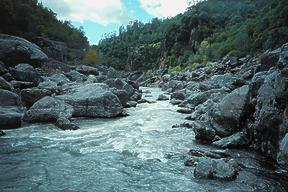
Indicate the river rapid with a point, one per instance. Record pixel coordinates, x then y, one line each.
140 152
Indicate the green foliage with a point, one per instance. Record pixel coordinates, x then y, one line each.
28 18
208 31
175 69
91 56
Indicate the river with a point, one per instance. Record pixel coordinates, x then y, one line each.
140 152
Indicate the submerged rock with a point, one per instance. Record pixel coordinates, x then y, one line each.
2 133
184 110
65 124
208 168
162 97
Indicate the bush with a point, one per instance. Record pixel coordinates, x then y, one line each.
91 56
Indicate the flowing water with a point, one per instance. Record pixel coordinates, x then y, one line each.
140 152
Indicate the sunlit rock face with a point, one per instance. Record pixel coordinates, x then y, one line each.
93 100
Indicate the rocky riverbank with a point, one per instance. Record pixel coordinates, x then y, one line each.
236 103
35 88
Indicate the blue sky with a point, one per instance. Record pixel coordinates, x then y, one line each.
105 16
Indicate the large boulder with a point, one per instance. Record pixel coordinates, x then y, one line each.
58 50
268 60
25 72
10 117
122 96
14 50
51 110
5 85
8 98
11 111
30 96
87 70
120 84
271 103
76 76
48 109
59 78
93 100
231 113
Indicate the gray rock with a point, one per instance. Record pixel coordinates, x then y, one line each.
227 80
59 51
76 76
179 95
25 72
269 59
184 110
283 58
3 69
122 85
49 85
14 50
93 100
10 117
5 85
231 113
208 168
30 96
8 98
175 101
48 109
283 152
270 107
131 104
60 79
87 70
65 124
237 140
174 85
11 110
22 84
2 133
163 97
122 96
203 131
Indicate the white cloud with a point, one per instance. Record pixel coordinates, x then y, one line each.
164 8
99 11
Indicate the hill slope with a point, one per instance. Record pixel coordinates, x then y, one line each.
207 31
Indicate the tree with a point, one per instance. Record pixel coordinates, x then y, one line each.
91 56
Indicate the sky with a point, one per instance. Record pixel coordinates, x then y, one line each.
98 17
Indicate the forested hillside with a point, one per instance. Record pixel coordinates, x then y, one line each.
28 18
207 31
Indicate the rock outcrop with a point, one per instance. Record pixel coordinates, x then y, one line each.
15 50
